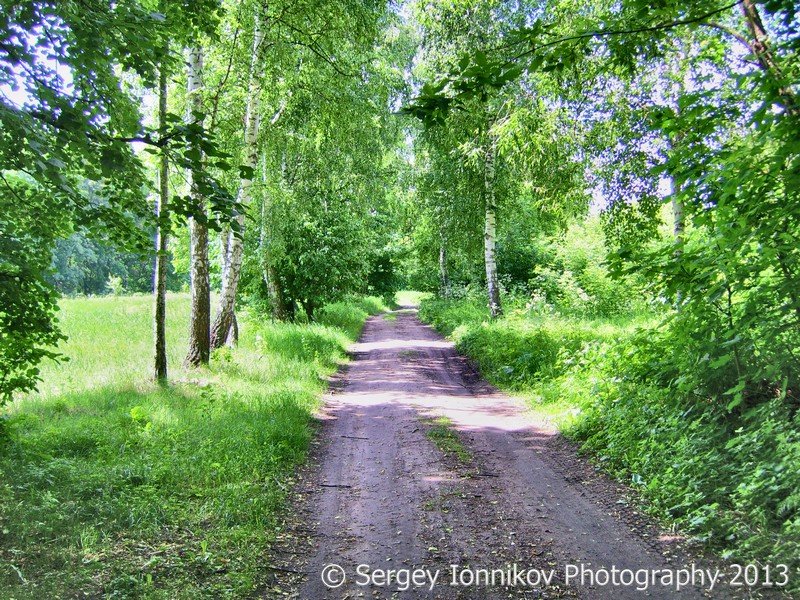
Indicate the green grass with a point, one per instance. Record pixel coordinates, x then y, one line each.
548 359
440 432
110 342
112 486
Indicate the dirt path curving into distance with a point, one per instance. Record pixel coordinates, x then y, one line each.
379 492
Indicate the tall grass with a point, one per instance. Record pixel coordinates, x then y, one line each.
547 358
112 486
110 342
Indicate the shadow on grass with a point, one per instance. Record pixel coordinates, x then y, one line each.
96 484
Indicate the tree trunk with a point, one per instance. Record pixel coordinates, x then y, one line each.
275 290
233 335
761 48
444 280
162 239
490 230
199 326
679 225
309 307
234 246
678 217
678 228
280 311
224 256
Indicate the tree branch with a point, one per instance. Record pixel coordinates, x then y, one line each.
632 30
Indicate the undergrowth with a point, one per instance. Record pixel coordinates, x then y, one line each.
542 356
728 478
120 488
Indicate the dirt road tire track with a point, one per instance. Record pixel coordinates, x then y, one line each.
377 491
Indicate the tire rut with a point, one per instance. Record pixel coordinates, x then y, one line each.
378 492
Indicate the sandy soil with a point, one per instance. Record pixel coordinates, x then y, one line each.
379 492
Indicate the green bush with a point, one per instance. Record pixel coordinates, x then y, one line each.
446 315
519 352
575 280
729 478
525 349
349 315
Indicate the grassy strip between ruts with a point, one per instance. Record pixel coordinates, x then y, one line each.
112 486
440 431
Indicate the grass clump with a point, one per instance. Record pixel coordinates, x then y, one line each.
349 315
113 486
440 432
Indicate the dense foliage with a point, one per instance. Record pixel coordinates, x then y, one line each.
559 172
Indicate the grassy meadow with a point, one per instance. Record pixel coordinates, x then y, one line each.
110 342
112 486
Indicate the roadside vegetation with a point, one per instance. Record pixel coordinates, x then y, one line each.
115 486
614 374
601 200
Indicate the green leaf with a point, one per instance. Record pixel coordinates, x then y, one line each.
721 361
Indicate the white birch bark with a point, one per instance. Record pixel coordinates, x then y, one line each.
444 279
233 246
490 228
199 322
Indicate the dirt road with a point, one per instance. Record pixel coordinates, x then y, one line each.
380 493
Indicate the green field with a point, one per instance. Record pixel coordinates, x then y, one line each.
110 342
113 486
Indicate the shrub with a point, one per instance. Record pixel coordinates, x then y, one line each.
575 280
727 477
114 285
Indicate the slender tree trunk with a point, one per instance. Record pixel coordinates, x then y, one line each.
162 240
761 48
678 229
270 273
678 216
234 246
444 279
490 230
199 325
679 225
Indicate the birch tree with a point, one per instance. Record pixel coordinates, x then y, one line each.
199 321
490 225
233 247
162 238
